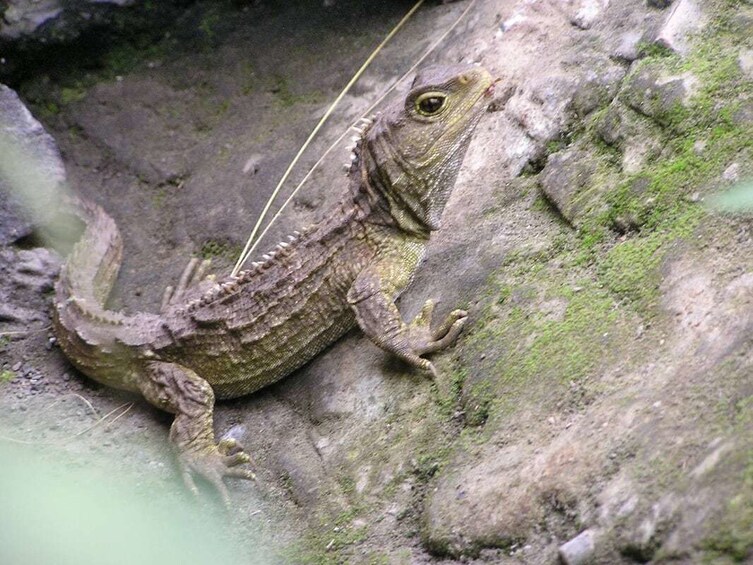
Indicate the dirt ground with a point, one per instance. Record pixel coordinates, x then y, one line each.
601 392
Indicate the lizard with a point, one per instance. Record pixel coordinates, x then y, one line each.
250 330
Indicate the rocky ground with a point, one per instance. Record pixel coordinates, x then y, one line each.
598 407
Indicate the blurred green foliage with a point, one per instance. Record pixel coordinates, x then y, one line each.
62 513
738 199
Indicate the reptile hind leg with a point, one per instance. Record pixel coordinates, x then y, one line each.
193 275
179 390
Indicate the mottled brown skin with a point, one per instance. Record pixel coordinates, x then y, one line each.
249 331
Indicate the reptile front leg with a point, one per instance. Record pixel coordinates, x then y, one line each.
372 297
179 390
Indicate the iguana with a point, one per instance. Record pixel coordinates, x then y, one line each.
251 330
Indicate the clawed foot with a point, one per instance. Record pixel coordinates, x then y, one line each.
424 340
193 275
213 464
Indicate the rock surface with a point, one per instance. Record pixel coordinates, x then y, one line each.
603 382
22 18
32 170
684 19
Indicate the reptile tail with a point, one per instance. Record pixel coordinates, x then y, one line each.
92 267
87 332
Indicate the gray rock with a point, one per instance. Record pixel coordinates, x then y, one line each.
637 137
685 19
654 94
25 278
596 89
22 18
744 115
539 107
647 530
587 13
626 47
732 173
578 550
14 223
563 180
31 170
135 133
745 59
742 20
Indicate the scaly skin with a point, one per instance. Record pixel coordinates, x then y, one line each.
249 331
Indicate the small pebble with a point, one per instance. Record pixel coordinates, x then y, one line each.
578 550
732 173
17 367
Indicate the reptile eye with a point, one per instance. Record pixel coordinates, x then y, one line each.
430 103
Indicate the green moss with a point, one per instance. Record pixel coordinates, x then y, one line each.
658 206
208 25
427 465
566 345
630 269
378 558
124 57
7 375
653 49
283 93
733 535
446 397
248 78
69 94
214 249
479 401
160 197
545 329
328 543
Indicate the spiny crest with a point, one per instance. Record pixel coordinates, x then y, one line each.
233 283
357 140
96 314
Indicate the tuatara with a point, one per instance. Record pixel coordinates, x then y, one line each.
251 330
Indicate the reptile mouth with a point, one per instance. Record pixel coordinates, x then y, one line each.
489 92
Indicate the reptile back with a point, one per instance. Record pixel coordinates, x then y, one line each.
280 314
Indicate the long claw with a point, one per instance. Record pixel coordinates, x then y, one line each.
200 272
222 489
228 446
432 370
213 467
186 276
189 482
424 317
236 459
241 474
449 322
166 298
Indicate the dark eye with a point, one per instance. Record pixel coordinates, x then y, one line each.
430 103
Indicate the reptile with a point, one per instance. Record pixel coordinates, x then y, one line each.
248 331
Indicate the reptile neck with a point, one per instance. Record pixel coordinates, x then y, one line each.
371 192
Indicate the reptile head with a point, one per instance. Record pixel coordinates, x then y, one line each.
413 151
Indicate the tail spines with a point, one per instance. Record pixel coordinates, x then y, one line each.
92 267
